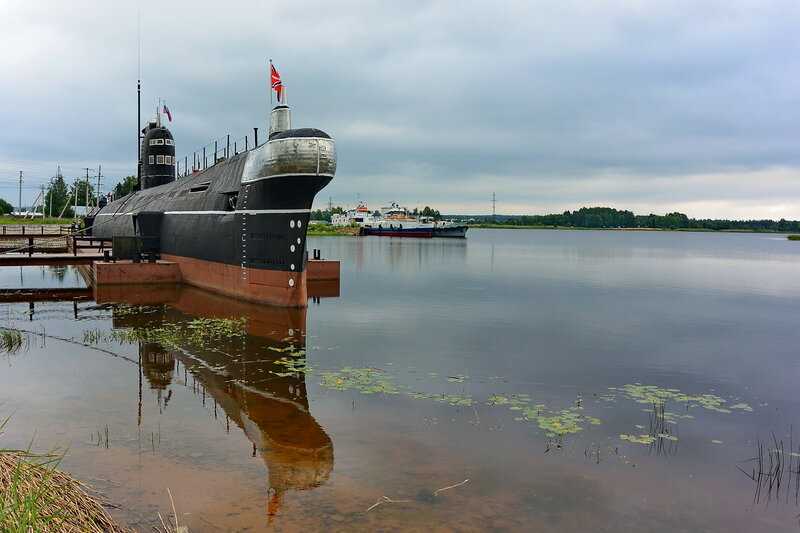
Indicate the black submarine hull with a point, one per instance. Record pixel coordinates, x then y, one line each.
238 227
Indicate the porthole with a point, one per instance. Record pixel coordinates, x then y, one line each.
291 224
292 248
291 266
298 240
299 223
291 282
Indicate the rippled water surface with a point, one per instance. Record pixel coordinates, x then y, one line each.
516 380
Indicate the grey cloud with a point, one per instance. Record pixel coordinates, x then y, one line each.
431 101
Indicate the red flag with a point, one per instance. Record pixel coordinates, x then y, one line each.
167 112
277 86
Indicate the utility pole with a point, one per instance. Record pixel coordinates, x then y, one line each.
494 205
75 213
87 190
42 200
52 182
19 208
97 201
330 204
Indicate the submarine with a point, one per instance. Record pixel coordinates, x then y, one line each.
237 227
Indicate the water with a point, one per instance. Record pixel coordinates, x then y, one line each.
414 371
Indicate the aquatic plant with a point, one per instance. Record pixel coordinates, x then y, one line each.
123 310
771 472
294 363
456 400
553 423
660 432
652 394
198 332
644 438
363 380
515 402
11 340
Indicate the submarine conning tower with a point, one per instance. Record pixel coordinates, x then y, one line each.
158 155
302 159
280 120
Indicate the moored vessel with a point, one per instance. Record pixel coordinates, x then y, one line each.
396 221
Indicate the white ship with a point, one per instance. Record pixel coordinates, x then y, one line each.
397 221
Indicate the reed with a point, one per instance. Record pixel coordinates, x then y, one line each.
11 340
771 472
36 496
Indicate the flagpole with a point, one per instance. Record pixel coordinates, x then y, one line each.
270 84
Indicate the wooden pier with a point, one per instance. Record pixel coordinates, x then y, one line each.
56 294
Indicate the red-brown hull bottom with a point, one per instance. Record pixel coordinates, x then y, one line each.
274 287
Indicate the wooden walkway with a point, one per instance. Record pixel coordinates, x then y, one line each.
56 294
49 259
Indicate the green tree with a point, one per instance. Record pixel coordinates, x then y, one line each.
82 188
125 187
325 214
430 212
5 207
60 197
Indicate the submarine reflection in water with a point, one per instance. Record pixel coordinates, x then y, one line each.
239 374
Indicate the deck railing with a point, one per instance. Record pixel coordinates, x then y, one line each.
215 151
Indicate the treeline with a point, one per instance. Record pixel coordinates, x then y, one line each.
325 214
607 217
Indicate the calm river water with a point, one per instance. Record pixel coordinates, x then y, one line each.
546 380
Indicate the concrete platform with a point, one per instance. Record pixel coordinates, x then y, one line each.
128 272
322 270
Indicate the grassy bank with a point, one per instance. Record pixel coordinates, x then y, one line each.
794 237
326 230
13 221
36 496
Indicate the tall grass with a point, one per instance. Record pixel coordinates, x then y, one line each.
36 496
11 340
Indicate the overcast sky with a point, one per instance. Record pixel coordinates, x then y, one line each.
650 106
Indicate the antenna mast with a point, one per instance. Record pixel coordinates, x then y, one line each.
139 100
20 192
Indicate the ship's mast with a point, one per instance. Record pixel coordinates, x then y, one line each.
139 101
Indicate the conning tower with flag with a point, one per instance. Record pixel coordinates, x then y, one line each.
239 226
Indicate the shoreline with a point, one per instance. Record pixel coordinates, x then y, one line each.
583 228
